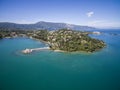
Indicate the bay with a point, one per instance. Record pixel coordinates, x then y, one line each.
49 70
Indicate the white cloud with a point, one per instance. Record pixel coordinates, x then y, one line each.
89 14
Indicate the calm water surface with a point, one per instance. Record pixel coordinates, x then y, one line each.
48 70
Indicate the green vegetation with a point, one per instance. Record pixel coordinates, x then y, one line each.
41 34
1 36
71 41
64 39
13 33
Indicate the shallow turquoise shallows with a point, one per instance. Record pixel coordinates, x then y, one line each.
48 70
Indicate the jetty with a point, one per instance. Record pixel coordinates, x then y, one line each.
27 51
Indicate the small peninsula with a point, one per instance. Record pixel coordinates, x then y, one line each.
66 40
69 40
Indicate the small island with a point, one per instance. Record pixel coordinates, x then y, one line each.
64 40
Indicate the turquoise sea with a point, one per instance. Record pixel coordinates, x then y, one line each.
48 70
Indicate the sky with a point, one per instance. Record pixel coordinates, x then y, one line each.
97 13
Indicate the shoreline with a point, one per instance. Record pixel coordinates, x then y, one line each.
27 50
39 40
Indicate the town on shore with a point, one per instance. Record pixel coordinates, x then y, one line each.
60 40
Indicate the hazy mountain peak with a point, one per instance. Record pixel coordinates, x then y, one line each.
43 25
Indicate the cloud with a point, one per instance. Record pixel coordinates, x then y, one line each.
89 14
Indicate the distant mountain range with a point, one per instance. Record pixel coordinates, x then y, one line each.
42 25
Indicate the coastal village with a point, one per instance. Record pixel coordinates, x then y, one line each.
60 40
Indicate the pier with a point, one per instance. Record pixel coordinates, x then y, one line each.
26 51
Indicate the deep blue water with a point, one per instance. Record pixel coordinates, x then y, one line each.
48 70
